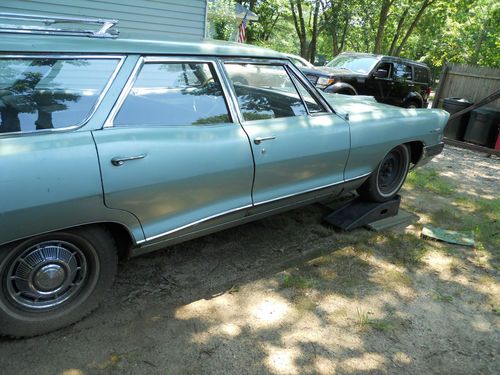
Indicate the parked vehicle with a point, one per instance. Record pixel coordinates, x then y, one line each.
120 147
388 79
299 61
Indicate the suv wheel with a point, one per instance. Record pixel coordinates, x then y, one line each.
53 280
412 104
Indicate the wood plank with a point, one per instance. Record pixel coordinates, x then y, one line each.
471 146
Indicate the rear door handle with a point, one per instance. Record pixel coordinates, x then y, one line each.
119 160
259 140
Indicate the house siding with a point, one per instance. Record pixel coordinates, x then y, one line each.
163 19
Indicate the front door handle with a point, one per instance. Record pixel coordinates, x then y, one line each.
259 140
119 160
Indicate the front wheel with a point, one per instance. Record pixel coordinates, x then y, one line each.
385 182
53 280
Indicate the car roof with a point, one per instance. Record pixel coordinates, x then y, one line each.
386 57
28 43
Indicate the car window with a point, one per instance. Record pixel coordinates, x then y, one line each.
357 64
313 106
167 94
402 71
49 93
265 91
421 74
387 67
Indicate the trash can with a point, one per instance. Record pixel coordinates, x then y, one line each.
482 128
455 129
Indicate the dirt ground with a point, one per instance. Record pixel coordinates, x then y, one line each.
287 295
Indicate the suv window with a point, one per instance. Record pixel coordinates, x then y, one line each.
265 91
421 74
174 94
402 71
50 93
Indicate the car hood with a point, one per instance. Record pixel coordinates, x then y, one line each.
360 104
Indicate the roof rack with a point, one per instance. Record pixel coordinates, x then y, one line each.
102 32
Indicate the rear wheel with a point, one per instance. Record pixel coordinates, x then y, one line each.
385 182
53 280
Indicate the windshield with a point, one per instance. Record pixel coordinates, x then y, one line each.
356 64
301 62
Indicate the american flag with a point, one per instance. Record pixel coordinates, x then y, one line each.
242 32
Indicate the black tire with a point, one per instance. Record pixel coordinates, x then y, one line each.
53 280
412 104
385 182
346 92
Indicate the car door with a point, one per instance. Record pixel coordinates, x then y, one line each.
381 87
170 152
403 83
298 144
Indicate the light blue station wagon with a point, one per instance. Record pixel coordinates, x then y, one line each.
111 146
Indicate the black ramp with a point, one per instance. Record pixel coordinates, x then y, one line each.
357 213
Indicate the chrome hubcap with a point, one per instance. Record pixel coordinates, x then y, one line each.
46 274
49 277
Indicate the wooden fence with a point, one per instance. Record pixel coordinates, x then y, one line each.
473 83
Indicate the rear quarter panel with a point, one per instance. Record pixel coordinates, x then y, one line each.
377 128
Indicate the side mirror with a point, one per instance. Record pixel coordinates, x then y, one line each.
381 73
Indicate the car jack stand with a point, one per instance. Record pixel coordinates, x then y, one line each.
357 213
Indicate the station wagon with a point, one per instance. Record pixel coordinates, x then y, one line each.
115 147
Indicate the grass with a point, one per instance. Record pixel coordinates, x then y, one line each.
442 297
299 282
429 180
406 249
365 322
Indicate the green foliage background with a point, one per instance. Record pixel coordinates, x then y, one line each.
460 31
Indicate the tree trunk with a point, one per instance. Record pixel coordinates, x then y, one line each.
398 32
312 46
419 15
384 11
300 27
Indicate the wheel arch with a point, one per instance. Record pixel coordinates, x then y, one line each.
339 87
413 97
119 232
416 151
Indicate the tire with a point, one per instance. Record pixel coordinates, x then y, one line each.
412 104
385 182
346 92
53 280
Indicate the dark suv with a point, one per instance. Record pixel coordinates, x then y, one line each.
389 79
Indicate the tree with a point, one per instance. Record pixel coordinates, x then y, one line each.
307 48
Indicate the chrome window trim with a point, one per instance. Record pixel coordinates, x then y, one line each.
95 107
254 61
290 69
109 123
152 238
124 93
312 89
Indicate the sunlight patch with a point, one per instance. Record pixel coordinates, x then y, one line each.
270 311
281 361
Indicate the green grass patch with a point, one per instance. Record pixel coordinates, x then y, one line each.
365 322
429 180
442 298
406 249
299 282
